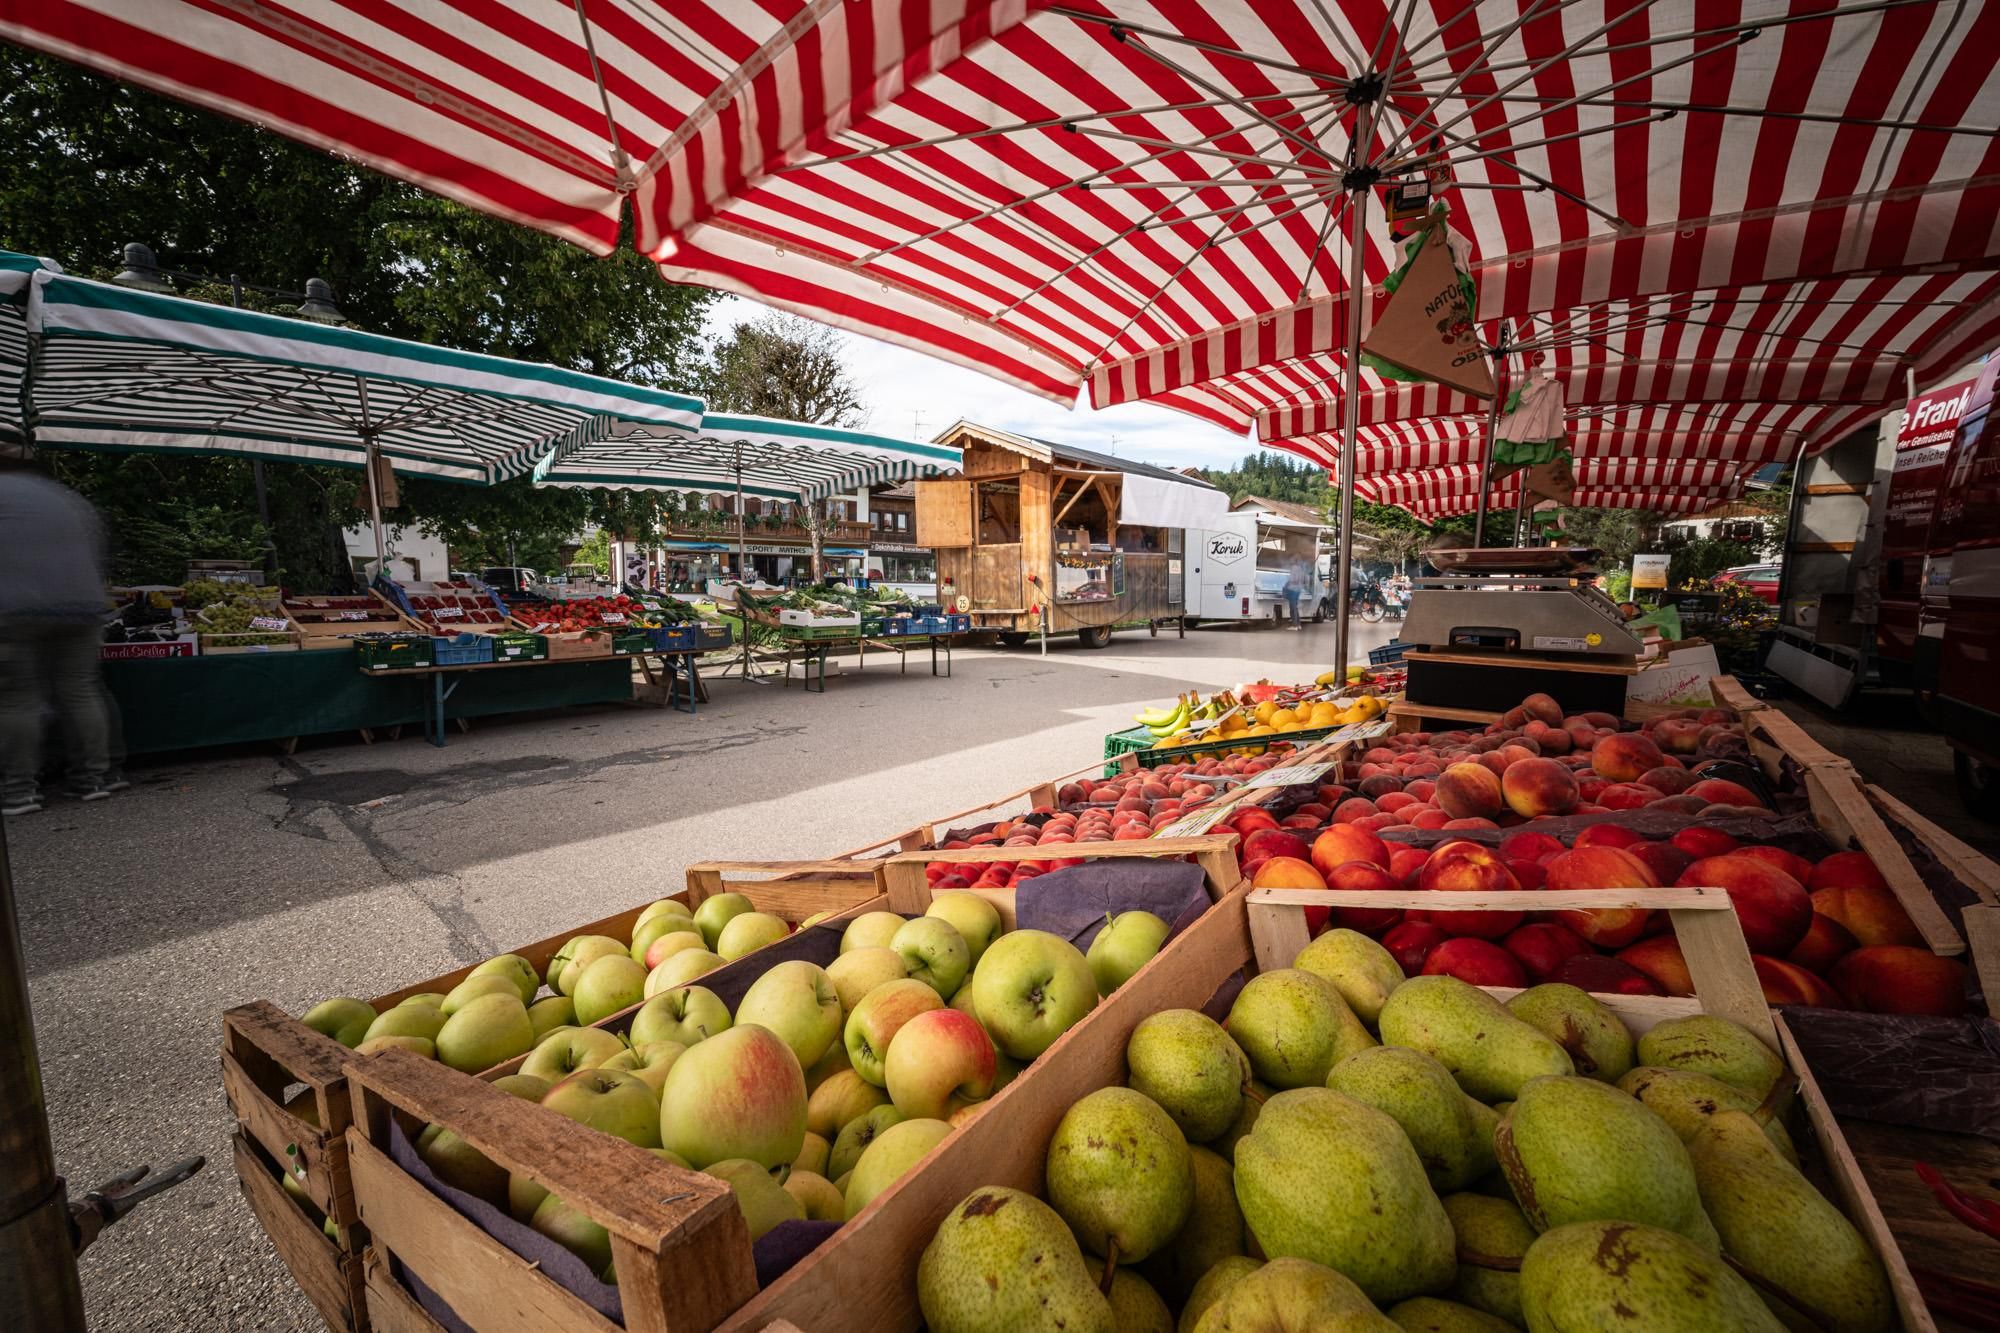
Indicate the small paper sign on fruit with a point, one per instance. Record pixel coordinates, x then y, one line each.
448 613
356 615
1288 777
1196 824
269 623
613 617
1361 731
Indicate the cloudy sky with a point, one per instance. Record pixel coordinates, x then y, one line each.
916 396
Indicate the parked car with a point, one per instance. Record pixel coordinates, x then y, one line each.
1759 579
509 580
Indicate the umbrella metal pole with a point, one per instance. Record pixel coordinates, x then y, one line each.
369 456
1492 432
1350 413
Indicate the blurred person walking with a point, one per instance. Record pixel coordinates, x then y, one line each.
52 604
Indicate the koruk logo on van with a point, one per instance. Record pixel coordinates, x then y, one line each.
1226 548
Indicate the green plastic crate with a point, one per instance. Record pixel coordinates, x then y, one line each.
402 653
520 647
627 645
1121 743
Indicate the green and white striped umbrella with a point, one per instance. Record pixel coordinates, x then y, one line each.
117 369
16 277
730 455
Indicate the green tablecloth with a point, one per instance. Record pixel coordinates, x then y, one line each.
185 703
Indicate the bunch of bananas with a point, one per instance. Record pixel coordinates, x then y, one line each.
1173 725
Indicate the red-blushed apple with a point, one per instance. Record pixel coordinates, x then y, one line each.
1826 942
1601 867
1467 867
1411 943
1475 961
1897 979
1343 843
740 1093
1607 835
1699 842
1604 976
1871 915
1665 860
1798 867
1845 870
1624 756
1659 957
935 1057
1773 908
1541 946
874 1022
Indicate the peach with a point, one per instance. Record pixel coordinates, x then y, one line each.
1252 818
1467 867
1773 908
1788 983
1896 979
1529 846
1602 868
1429 817
1473 821
1529 874
1477 961
1394 801
1871 915
1604 975
1405 862
1721 791
1846 870
1543 709
1627 796
1700 842
1665 860
1411 943
1353 808
1796 866
1423 789
1659 957
1342 843
1542 946
1364 875
1675 736
1287 872
1826 942
1298 822
1607 835
1533 787
1682 805
1624 756
1467 791
1667 779
1554 740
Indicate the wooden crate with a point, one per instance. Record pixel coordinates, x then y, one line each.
267 1053
706 1272
1725 984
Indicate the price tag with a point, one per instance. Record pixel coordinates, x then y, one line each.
613 617
1288 777
1196 824
448 613
357 615
269 623
1362 731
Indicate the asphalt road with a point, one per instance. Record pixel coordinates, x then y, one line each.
347 869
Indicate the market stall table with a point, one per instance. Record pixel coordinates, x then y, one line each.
818 650
441 691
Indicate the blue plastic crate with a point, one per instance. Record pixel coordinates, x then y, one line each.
671 638
462 650
960 624
1388 653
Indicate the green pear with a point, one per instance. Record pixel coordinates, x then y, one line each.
812 1157
844 1096
1453 1134
1598 1042
1489 1051
856 1135
516 969
1706 1044
1492 1235
816 1194
345 1020
1780 1229
414 1045
1135 1306
1214 1284
763 1201
1294 1027
556 1011
1293 1293
1213 1230
1119 1173
488 1031
573 1231
1003 1260
1657 1281
893 1153
1686 1101
407 1020
1327 1178
462 1166
715 913
1576 1150
1127 943
1360 969
1254 1097
1183 1060
1428 1314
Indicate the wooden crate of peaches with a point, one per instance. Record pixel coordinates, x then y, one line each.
1599 804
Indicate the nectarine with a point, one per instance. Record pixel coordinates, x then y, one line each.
1895 979
1476 961
1871 915
1773 908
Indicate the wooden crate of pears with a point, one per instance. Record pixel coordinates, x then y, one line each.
1126 1184
286 1087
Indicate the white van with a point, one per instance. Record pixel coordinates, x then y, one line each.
1239 565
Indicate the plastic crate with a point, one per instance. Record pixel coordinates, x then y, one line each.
519 646
711 634
461 650
394 652
670 639
1388 652
874 626
960 624
626 645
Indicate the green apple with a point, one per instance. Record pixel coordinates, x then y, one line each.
686 1014
407 1020
488 1031
715 913
610 1100
750 932
550 1013
797 1001
525 1086
588 951
935 954
870 930
763 1200
815 919
666 946
516 969
646 932
975 919
649 1063
893 1152
813 1156
561 1054
524 1196
833 1062
663 907
855 1136
1031 987
345 1020
935 1058
415 1045
561 961
434 999
816 1194
462 1166
859 971
1127 943
741 1093
679 970
470 989
842 1097
573 1231
609 984
875 1021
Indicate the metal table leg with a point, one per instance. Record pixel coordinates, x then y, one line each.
694 683
439 693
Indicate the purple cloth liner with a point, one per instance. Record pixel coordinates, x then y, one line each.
1939 1074
1073 902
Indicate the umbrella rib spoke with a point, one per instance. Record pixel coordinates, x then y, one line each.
1183 72
1230 52
1488 45
1333 215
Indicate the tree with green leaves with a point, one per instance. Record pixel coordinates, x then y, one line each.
92 164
